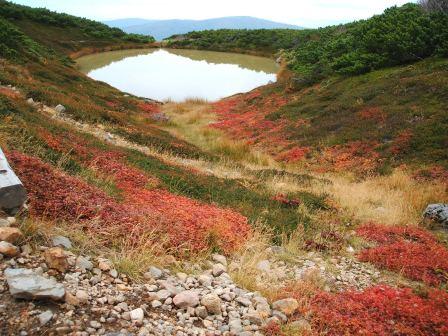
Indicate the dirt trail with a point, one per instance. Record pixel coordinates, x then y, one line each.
218 168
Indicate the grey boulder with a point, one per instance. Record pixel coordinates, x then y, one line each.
438 213
60 108
26 284
62 242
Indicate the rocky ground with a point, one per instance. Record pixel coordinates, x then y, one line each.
50 290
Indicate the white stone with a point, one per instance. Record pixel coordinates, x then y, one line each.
218 269
82 296
45 317
137 314
186 299
155 272
219 259
205 280
60 108
4 222
8 249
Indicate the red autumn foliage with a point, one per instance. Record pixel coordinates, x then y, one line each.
8 92
390 234
412 251
113 105
283 199
56 195
381 310
246 118
358 156
272 329
432 173
188 223
294 155
401 142
150 108
373 113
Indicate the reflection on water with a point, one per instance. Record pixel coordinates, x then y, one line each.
179 74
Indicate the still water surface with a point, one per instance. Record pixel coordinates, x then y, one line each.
164 74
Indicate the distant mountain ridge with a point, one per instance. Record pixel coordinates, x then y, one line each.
162 29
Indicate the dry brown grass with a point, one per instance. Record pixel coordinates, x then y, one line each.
396 199
190 120
247 274
133 258
130 256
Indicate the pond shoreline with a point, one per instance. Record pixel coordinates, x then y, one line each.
165 74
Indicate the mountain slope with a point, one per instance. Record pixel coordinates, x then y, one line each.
367 123
162 29
65 33
141 193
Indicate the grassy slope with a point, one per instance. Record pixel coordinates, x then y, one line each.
393 116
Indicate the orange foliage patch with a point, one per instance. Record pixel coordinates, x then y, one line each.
401 142
294 155
358 156
414 252
373 113
246 118
381 310
189 224
9 93
432 173
150 108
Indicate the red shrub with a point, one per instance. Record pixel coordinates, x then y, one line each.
373 113
418 261
189 223
55 195
412 251
272 329
150 108
112 104
246 118
357 155
294 203
381 310
401 142
293 155
390 234
432 173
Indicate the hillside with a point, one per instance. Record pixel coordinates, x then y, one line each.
162 29
401 35
260 41
368 123
295 209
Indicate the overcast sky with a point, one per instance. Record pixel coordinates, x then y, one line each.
308 13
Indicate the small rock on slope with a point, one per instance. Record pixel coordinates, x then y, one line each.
26 284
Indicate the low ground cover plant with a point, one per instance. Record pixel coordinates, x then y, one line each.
412 251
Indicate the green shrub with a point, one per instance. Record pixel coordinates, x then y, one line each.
400 35
90 28
15 45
